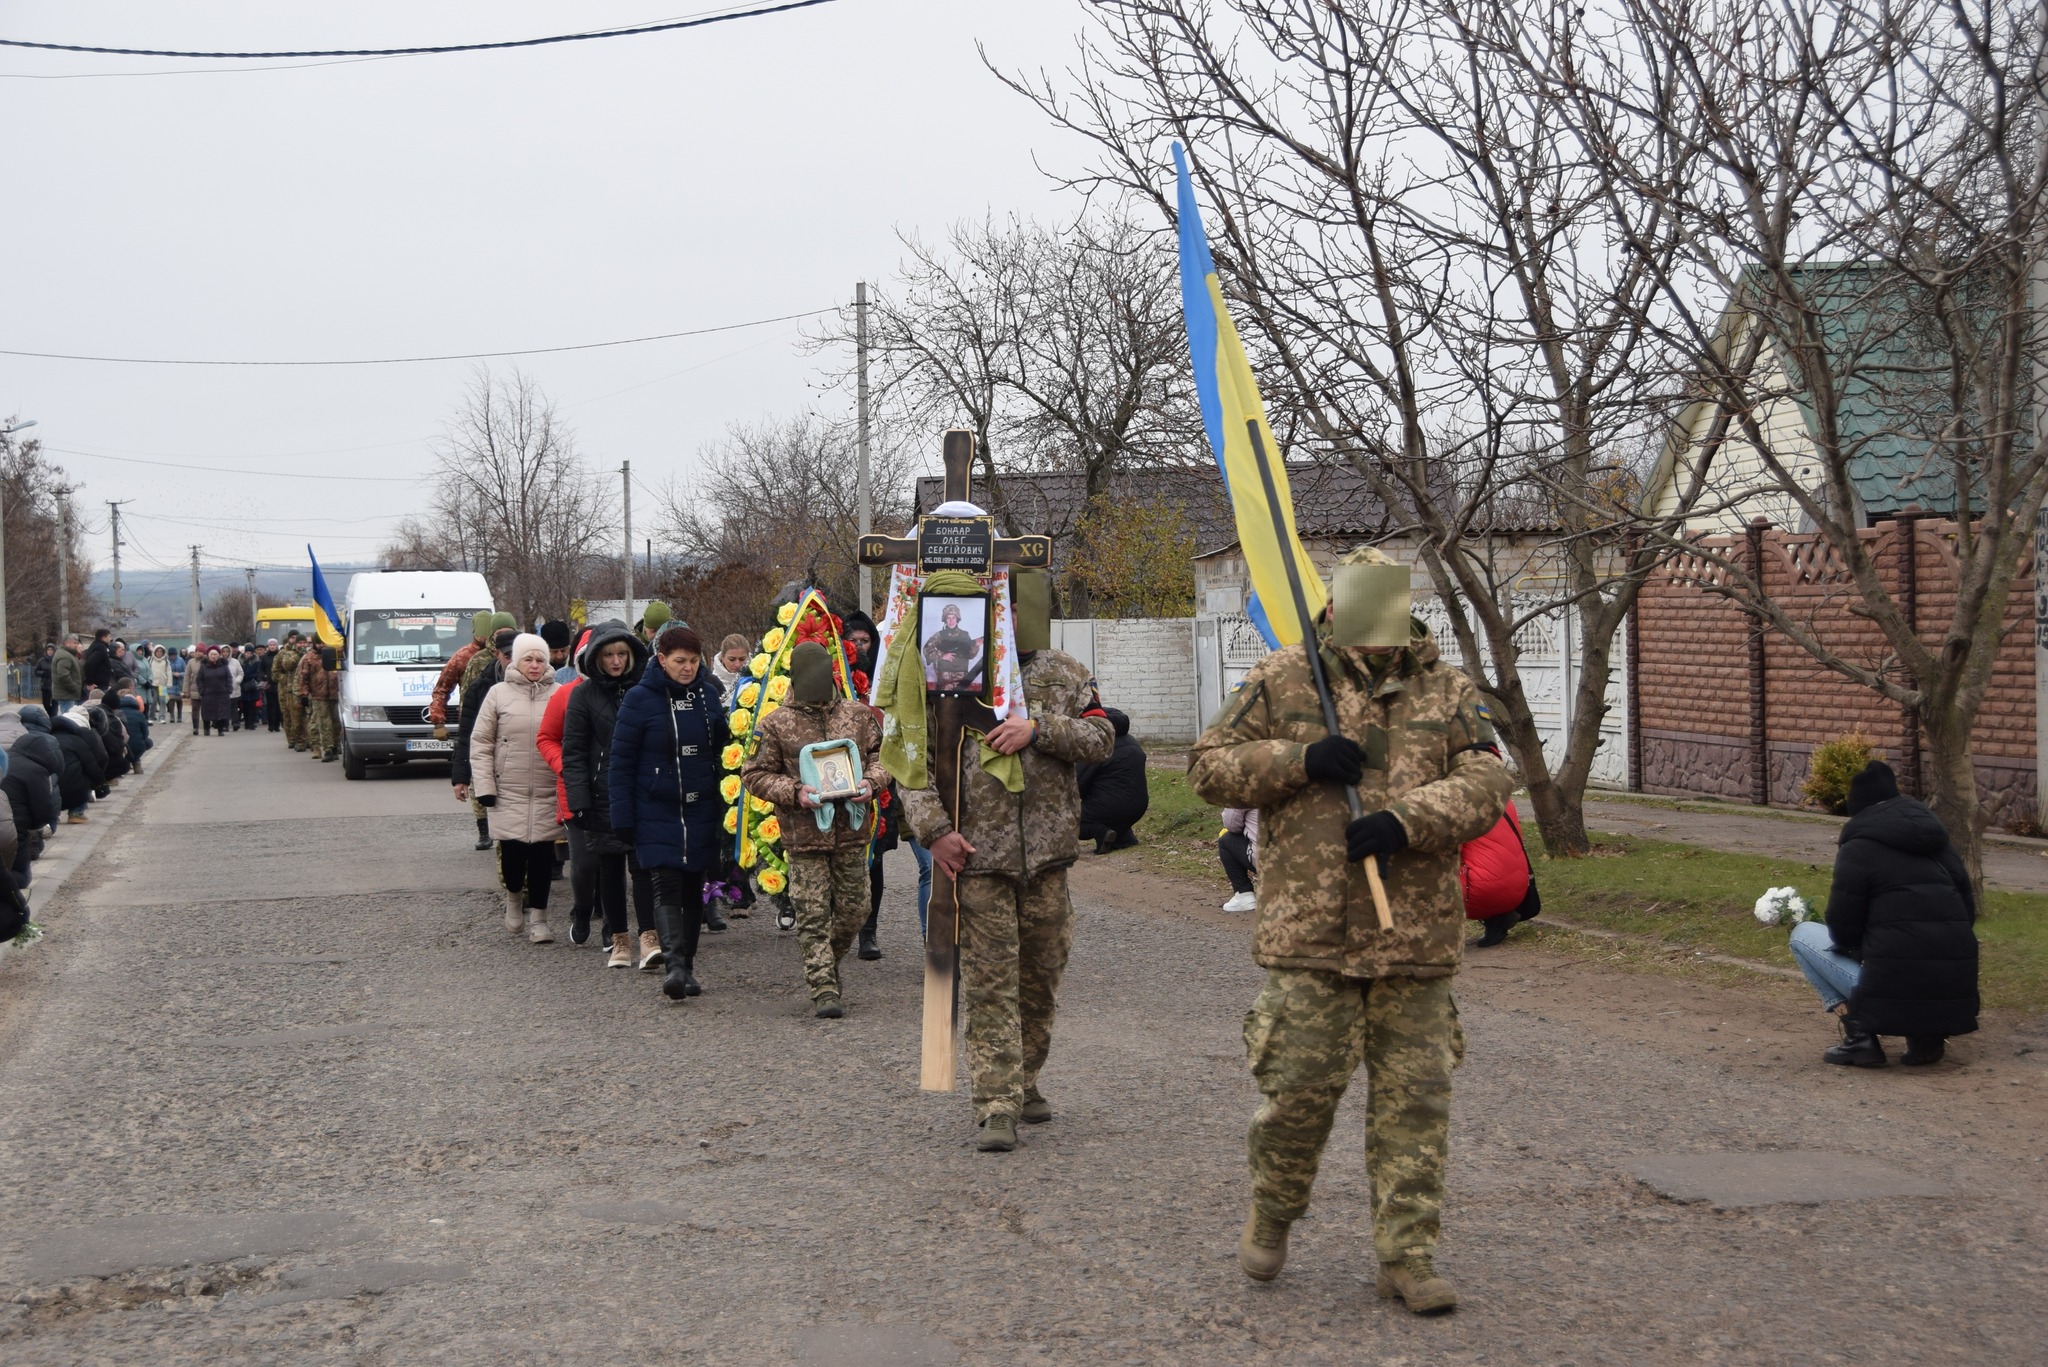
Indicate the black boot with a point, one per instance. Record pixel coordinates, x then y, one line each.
1496 929
712 919
1858 1049
483 834
1922 1050
668 923
868 948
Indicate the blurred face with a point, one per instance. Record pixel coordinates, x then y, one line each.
533 664
860 641
614 659
213 657
736 659
680 666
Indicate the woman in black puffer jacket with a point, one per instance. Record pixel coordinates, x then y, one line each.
612 661
1897 955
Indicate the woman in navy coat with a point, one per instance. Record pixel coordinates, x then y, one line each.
663 783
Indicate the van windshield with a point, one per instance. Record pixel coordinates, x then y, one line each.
396 636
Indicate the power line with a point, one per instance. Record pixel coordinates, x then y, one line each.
424 51
225 470
418 360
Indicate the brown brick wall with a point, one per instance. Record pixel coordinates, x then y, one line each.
1693 684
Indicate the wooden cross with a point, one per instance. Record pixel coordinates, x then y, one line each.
963 544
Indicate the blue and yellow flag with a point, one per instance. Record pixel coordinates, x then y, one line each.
326 620
1230 401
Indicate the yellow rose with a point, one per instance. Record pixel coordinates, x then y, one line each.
760 804
740 723
732 821
758 666
786 614
778 688
768 707
772 881
731 757
750 694
770 830
773 640
747 854
729 787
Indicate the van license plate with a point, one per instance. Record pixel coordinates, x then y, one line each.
429 746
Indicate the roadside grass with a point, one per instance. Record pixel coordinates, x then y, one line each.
1674 898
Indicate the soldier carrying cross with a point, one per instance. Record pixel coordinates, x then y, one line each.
988 789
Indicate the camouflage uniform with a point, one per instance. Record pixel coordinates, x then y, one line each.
1339 990
828 870
483 659
284 673
1016 924
320 687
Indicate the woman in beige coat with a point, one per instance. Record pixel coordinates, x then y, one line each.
513 781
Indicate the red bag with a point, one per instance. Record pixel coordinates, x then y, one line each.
1493 871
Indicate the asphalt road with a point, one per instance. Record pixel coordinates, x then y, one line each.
278 1088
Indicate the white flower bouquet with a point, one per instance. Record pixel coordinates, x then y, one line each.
1782 907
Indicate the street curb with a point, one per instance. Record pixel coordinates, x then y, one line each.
60 861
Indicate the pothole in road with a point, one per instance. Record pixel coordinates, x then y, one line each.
1728 1181
253 1283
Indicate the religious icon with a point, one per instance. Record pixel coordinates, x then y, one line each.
952 633
838 771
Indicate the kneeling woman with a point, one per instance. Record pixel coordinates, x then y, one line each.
664 776
516 786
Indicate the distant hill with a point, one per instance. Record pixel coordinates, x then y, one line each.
161 600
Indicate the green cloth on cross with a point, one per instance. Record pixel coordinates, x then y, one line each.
900 696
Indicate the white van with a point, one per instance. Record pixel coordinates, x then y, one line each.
402 627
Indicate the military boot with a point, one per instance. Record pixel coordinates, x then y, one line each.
483 833
1262 1248
1416 1281
997 1134
826 1006
1037 1110
1858 1049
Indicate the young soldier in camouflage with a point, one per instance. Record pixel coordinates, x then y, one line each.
828 869
1339 990
319 683
284 673
1010 855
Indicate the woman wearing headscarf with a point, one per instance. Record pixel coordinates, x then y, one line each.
664 777
611 663
216 693
514 783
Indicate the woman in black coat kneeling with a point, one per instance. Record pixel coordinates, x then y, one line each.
1897 955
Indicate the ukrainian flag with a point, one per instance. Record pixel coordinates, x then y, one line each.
1230 406
326 620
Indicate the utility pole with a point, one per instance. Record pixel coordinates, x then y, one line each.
250 575
867 512
195 596
63 564
5 657
114 529
626 479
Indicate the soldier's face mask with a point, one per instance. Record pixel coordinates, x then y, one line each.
1031 597
1369 607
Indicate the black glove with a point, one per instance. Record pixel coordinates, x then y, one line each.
1381 834
576 819
1334 759
488 799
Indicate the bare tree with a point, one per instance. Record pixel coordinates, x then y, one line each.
1862 236
779 497
1062 347
1427 268
30 489
417 544
231 616
513 499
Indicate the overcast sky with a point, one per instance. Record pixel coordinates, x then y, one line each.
462 203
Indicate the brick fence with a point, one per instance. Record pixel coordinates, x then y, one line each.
1143 665
1723 709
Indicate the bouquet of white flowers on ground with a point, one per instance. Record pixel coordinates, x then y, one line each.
1782 907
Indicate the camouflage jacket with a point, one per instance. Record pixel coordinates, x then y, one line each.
1419 730
771 772
321 685
1022 835
444 682
284 667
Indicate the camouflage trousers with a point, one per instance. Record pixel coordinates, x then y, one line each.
1304 1037
1013 949
322 726
829 893
294 713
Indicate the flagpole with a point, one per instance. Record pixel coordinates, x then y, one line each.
1315 654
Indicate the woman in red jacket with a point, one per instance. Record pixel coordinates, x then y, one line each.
1498 882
